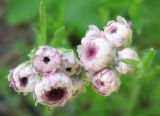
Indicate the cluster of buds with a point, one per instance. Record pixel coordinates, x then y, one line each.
53 75
50 75
103 53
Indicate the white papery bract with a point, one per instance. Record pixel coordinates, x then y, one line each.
54 90
23 78
70 63
128 53
46 59
105 82
95 54
118 32
92 33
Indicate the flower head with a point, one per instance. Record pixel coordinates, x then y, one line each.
96 54
54 90
23 78
46 59
70 63
118 33
105 82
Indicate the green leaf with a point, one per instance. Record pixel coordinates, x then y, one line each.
21 11
60 39
32 53
65 51
131 62
147 59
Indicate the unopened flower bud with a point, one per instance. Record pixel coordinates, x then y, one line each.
23 78
128 53
105 82
46 59
123 68
118 33
54 90
96 54
70 63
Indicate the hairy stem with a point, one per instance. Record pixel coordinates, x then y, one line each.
43 25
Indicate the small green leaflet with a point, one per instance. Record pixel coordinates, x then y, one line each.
131 62
148 57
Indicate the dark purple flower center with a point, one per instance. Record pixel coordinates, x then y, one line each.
68 69
113 29
99 83
46 59
91 52
56 94
23 81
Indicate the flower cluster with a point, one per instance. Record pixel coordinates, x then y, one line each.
50 75
103 55
53 76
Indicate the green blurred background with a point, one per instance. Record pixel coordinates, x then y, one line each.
20 18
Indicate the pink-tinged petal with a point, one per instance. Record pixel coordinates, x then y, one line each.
92 33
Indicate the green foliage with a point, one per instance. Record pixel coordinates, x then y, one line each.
21 11
148 58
